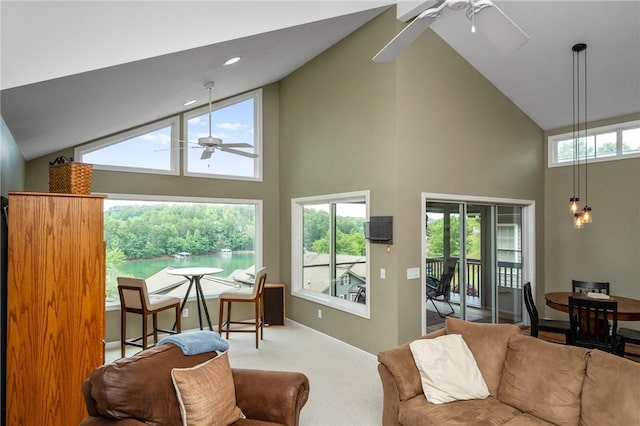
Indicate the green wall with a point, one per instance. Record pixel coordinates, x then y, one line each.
607 249
426 122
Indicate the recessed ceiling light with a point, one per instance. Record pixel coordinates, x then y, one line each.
191 102
232 60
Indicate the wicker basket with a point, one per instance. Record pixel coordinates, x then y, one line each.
70 178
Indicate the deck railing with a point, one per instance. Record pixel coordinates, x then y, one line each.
509 275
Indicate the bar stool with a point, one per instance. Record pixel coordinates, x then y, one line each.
134 298
256 297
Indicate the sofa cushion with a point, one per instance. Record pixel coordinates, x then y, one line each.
544 379
525 419
206 393
610 391
131 387
488 411
399 361
488 344
447 369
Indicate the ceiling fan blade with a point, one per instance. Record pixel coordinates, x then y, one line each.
499 29
206 154
408 34
236 145
235 151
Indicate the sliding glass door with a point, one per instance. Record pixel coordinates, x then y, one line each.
482 245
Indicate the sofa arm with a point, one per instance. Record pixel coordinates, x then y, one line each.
274 396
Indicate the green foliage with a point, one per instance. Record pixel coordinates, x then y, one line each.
146 231
435 237
349 233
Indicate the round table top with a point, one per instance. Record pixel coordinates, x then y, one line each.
628 308
195 271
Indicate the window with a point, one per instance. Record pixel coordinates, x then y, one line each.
329 252
148 149
146 235
601 144
237 120
156 147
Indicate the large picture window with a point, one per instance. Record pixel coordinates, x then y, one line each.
330 254
146 236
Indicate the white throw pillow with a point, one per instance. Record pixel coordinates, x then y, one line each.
448 370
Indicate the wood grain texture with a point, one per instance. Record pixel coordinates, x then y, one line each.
55 324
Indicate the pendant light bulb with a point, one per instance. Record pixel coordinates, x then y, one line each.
574 207
586 215
578 222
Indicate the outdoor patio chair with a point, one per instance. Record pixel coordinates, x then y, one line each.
437 288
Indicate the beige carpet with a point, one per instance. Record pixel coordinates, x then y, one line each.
345 389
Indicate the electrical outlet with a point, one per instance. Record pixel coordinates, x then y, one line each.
319 313
185 312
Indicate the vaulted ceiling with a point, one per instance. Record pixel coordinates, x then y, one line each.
73 71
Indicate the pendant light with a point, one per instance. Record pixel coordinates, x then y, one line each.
580 215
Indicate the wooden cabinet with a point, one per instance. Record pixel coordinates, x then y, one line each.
55 305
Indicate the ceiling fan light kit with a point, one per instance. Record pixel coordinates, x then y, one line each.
210 143
494 24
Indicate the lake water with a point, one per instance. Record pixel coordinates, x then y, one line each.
228 264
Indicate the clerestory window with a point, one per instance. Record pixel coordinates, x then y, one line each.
600 144
235 125
147 149
235 121
330 263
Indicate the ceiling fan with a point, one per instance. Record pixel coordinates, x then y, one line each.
211 143
494 24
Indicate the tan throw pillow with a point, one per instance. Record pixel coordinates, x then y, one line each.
448 370
206 393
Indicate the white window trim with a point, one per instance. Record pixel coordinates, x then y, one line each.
552 141
297 290
183 199
256 95
173 122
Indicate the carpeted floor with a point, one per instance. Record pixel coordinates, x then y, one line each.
345 389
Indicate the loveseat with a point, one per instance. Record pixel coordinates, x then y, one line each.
530 382
139 390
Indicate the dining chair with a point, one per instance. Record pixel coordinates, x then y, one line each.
135 298
590 286
440 288
256 296
628 335
594 324
543 324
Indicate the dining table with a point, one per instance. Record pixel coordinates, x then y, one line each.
194 275
628 308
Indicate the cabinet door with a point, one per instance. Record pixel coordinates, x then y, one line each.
55 307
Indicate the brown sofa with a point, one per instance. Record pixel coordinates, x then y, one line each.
530 381
139 391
